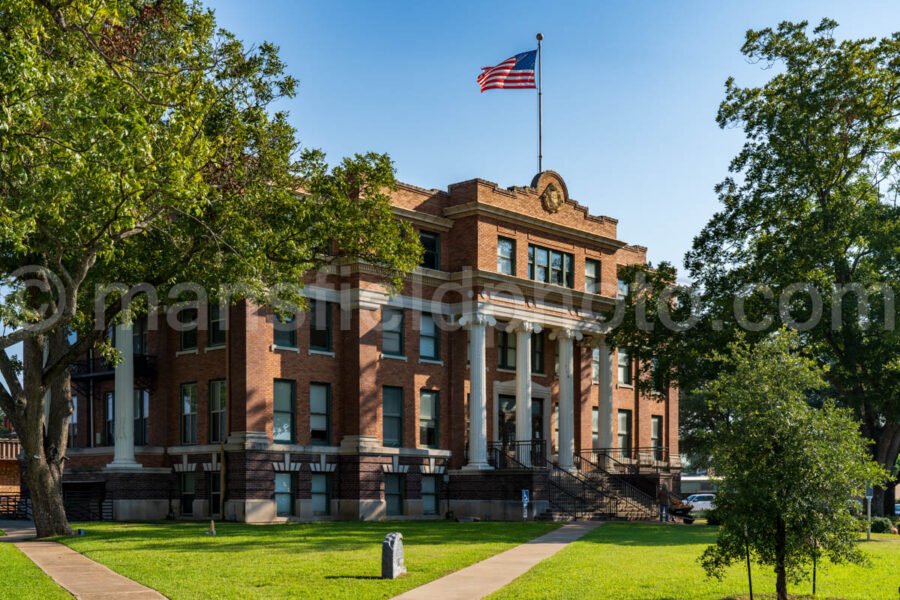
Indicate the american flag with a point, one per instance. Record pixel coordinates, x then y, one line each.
516 72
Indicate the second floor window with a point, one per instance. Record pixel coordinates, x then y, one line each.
218 404
110 398
624 434
141 417
216 330
551 266
431 244
285 331
506 350
506 256
320 325
537 352
429 419
319 411
595 365
139 333
392 416
656 426
592 276
392 331
188 321
283 418
429 347
189 413
624 368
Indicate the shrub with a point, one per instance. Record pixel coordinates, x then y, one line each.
881 525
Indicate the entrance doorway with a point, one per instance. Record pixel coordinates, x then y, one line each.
533 447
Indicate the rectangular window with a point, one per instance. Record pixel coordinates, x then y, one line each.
187 319
592 276
189 413
429 419
217 326
214 485
595 365
139 336
285 331
431 244
110 418
551 266
429 346
506 256
141 417
284 494
625 369
595 427
188 485
320 326
430 496
656 437
218 405
506 350
319 413
392 331
73 422
624 433
283 417
393 493
321 494
537 352
392 424
622 291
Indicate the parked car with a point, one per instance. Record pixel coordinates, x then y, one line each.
701 502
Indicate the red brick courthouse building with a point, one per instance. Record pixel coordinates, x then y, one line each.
486 375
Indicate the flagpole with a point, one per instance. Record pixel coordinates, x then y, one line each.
540 37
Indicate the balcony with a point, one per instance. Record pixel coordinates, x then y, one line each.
100 368
651 459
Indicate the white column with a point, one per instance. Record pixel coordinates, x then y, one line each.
606 396
564 338
123 453
476 323
524 330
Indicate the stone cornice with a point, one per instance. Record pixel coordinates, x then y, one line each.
423 219
480 209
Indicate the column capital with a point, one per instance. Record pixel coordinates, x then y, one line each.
566 334
476 318
524 326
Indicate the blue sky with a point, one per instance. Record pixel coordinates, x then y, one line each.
630 92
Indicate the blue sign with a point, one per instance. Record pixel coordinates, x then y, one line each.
525 498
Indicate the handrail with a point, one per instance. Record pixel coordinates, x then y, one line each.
526 454
14 506
630 491
592 498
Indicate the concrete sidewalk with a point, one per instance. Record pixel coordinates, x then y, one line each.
489 575
82 577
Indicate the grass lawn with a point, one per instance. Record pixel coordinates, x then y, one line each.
647 561
321 560
21 579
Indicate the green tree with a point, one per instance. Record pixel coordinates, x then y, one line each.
788 470
811 201
138 144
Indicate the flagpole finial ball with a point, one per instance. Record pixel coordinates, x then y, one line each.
539 36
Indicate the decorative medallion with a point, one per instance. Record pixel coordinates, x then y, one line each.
552 198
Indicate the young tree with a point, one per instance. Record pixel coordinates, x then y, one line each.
788 470
137 145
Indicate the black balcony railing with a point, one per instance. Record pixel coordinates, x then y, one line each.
632 460
14 506
527 454
144 366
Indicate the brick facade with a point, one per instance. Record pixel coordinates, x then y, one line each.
354 467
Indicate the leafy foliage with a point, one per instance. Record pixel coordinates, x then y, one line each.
787 470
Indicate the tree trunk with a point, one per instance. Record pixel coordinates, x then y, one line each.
780 552
45 484
43 434
885 452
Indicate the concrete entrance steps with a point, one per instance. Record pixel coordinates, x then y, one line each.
82 577
489 575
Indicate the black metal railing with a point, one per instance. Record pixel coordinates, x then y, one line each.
527 454
573 494
615 484
14 506
633 460
144 365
